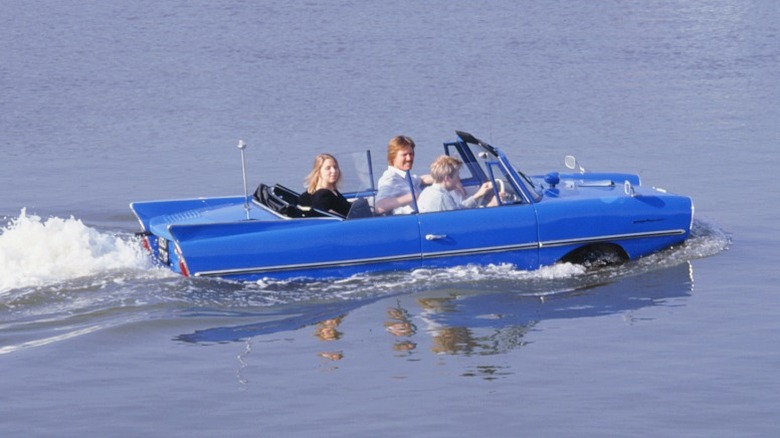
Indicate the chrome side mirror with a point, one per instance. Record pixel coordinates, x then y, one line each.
571 163
628 188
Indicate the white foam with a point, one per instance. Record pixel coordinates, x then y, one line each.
362 284
36 252
41 342
502 271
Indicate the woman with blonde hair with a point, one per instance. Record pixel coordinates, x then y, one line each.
321 186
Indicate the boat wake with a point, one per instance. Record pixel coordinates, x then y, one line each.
706 240
36 252
60 278
40 253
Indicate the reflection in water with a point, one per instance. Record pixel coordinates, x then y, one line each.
453 339
331 355
404 346
461 321
275 320
487 372
400 325
242 380
326 331
479 323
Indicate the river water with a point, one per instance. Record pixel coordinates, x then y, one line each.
106 103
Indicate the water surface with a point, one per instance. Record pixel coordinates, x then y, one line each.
105 104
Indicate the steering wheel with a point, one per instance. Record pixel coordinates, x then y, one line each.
506 197
489 197
501 186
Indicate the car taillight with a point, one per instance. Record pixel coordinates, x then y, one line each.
183 267
144 236
185 271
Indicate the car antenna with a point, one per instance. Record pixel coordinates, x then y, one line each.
241 147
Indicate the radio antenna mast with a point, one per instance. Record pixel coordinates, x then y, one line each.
241 147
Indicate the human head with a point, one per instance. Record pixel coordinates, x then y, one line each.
313 179
445 166
400 144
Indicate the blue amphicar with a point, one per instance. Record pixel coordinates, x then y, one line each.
577 216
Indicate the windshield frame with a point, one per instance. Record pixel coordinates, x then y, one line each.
479 158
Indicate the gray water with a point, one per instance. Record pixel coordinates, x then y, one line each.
106 103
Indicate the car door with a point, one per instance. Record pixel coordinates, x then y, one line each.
501 234
385 243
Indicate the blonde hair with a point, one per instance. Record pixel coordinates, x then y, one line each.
313 178
444 166
396 144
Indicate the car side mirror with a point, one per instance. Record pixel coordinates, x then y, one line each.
572 164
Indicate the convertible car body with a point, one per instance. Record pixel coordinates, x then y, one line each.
577 216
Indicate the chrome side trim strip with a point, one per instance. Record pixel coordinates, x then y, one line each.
483 250
438 254
565 242
321 265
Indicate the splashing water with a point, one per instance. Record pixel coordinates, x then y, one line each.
706 240
61 279
35 252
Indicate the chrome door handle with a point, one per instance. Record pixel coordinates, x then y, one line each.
435 236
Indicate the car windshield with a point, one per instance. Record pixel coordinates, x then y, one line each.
536 192
483 163
480 164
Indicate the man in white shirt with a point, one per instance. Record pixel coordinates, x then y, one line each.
394 195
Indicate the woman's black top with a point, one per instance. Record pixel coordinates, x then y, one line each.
325 200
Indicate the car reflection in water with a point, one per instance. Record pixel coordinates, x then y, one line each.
477 322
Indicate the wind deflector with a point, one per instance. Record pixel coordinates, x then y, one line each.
468 138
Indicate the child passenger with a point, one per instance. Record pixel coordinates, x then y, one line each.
445 172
